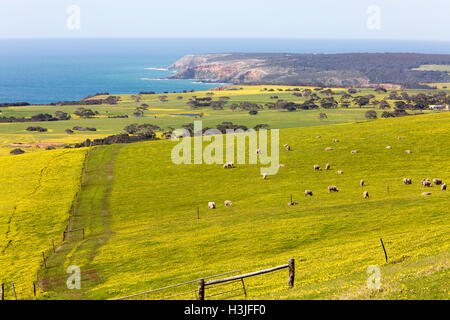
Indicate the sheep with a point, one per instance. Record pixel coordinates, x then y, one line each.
426 183
354 151
327 166
281 165
211 205
388 147
407 181
264 176
328 149
258 151
228 203
400 138
308 193
317 167
332 188
340 172
426 193
437 182
288 147
408 151
318 137
444 187
335 140
292 203
361 183
365 195
228 165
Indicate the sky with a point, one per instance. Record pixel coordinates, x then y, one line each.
319 19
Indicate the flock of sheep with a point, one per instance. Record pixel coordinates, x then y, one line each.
407 181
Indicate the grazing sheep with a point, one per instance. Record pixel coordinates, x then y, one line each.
318 137
365 195
228 203
426 183
327 166
316 167
264 176
211 205
437 182
388 147
335 140
328 149
354 151
281 165
444 187
308 193
258 151
401 138
288 147
332 188
340 172
426 193
292 203
407 181
361 183
408 151
228 165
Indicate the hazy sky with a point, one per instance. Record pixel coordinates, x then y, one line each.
339 19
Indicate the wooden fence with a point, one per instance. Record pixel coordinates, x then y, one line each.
202 285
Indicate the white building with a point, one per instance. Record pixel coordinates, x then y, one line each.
439 107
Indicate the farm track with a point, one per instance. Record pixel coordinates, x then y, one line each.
90 210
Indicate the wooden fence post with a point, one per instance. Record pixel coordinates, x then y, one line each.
14 291
34 289
198 213
43 259
385 253
83 233
64 235
291 278
53 244
201 289
2 292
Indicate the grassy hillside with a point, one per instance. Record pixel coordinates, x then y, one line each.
139 211
37 191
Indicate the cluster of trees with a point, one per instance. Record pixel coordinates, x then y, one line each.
85 113
145 130
59 115
13 104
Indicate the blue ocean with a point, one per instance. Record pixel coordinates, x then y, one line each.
41 71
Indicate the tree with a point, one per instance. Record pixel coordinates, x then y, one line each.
328 103
60 115
362 100
84 113
371 114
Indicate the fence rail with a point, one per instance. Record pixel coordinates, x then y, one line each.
202 285
174 286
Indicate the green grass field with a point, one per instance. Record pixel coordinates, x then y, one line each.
164 114
139 210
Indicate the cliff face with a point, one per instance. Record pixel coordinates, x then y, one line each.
354 69
218 67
